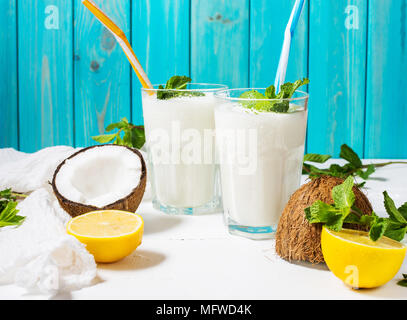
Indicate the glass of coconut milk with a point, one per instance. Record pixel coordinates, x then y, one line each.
180 143
261 156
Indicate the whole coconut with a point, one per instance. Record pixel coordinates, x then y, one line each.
296 238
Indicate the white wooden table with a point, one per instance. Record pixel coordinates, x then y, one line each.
184 257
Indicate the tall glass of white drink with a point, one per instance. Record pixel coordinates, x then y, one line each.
179 126
261 154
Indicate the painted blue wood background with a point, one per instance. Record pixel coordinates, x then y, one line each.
63 77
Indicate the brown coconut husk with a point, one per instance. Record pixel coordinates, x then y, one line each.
296 238
129 203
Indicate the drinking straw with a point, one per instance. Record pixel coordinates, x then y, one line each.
122 40
288 35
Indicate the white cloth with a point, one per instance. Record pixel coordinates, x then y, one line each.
39 255
26 172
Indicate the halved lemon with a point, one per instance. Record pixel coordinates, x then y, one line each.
358 261
109 235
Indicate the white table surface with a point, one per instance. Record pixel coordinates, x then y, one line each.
193 257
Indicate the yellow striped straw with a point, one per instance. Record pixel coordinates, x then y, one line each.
122 40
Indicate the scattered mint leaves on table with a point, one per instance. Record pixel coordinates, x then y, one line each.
353 167
278 103
134 136
176 83
8 211
333 216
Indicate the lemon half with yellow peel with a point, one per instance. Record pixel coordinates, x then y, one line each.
358 261
109 235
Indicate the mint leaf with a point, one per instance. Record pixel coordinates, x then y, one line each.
336 170
117 125
308 215
105 138
361 185
403 282
176 83
8 215
134 136
348 154
403 210
365 174
285 91
162 94
7 194
320 212
138 137
395 231
391 209
314 172
252 94
281 107
288 89
270 92
8 211
378 228
335 223
252 104
297 84
343 195
318 158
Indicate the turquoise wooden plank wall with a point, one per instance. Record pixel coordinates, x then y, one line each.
63 78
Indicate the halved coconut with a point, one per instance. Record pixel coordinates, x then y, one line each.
99 178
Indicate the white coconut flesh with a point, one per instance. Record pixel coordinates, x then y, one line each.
99 176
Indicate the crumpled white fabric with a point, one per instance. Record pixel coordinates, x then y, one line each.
39 255
26 172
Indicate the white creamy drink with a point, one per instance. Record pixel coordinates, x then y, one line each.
180 142
264 169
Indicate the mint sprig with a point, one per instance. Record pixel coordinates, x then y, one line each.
176 83
133 136
352 167
278 101
8 211
343 210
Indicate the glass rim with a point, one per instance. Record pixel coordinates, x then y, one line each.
304 95
211 87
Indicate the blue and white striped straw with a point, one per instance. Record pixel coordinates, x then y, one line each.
288 35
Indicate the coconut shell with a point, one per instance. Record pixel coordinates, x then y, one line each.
296 238
129 203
